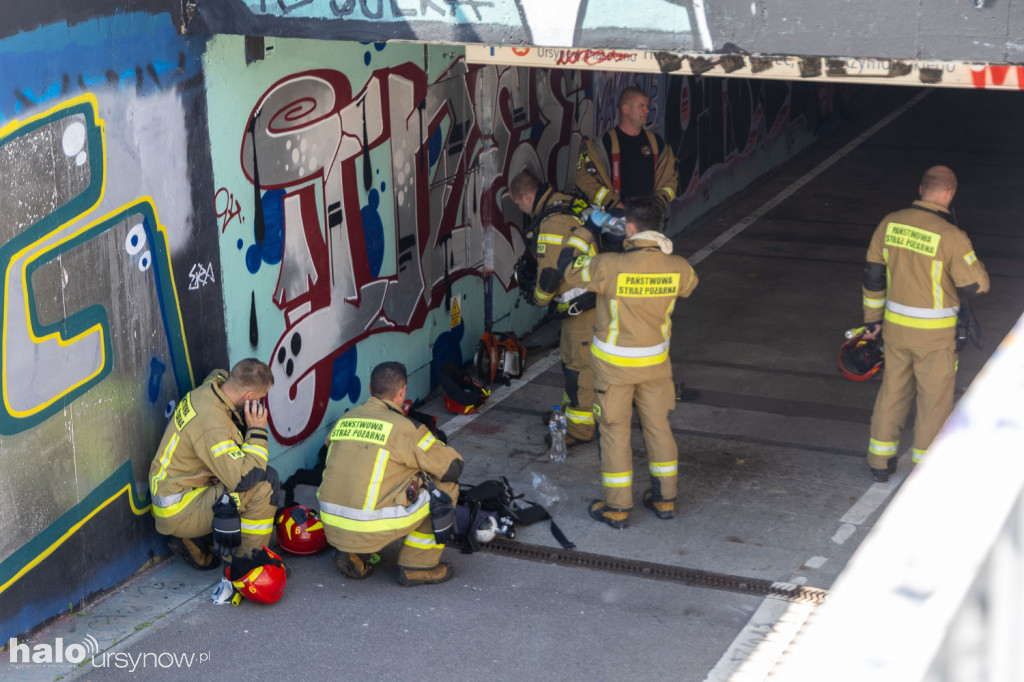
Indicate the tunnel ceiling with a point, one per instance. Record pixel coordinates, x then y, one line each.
923 32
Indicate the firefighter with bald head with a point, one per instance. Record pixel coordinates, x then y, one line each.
374 489
628 160
556 225
212 489
636 292
921 268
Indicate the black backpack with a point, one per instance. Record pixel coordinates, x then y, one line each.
493 505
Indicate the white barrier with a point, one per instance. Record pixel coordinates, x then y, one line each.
935 593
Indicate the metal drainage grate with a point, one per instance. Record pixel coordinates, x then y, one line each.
644 569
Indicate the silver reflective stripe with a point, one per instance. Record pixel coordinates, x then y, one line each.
571 294
376 514
630 352
165 501
921 313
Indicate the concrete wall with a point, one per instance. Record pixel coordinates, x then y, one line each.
968 30
383 214
172 205
107 293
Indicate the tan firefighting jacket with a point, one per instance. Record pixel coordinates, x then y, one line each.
595 175
375 454
636 294
925 259
556 232
202 442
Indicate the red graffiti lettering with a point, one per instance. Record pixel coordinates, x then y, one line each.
227 208
592 57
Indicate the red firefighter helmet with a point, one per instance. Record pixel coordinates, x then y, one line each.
860 358
462 393
263 584
300 531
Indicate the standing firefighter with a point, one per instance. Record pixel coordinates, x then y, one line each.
636 294
557 226
919 268
628 160
209 477
374 491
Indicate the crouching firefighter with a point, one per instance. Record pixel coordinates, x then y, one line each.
558 223
212 489
376 489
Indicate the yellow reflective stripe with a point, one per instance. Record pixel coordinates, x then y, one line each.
883 448
970 258
874 302
601 194
548 238
373 490
885 255
226 446
578 416
920 323
664 468
257 450
426 442
917 455
375 525
165 512
257 526
613 324
579 244
667 327
422 541
165 459
937 283
669 191
623 361
617 480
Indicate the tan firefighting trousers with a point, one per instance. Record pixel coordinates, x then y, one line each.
196 519
929 375
419 548
578 400
613 410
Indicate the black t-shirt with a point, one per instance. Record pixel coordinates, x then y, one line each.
636 162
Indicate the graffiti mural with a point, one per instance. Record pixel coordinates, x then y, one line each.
92 335
377 194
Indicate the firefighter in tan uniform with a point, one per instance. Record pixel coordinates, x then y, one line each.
636 294
210 473
919 266
628 160
558 227
372 492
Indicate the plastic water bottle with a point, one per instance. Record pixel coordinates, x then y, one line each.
557 427
613 225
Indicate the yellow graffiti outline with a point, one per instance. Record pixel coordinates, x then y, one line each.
71 531
61 341
90 99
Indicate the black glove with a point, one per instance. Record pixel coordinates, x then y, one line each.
227 526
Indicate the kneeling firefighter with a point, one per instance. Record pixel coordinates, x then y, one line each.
557 223
381 468
212 489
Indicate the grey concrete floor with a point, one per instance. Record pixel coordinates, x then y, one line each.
774 483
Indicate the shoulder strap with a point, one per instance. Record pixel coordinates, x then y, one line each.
948 217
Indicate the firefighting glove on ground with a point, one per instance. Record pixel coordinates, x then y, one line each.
227 526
